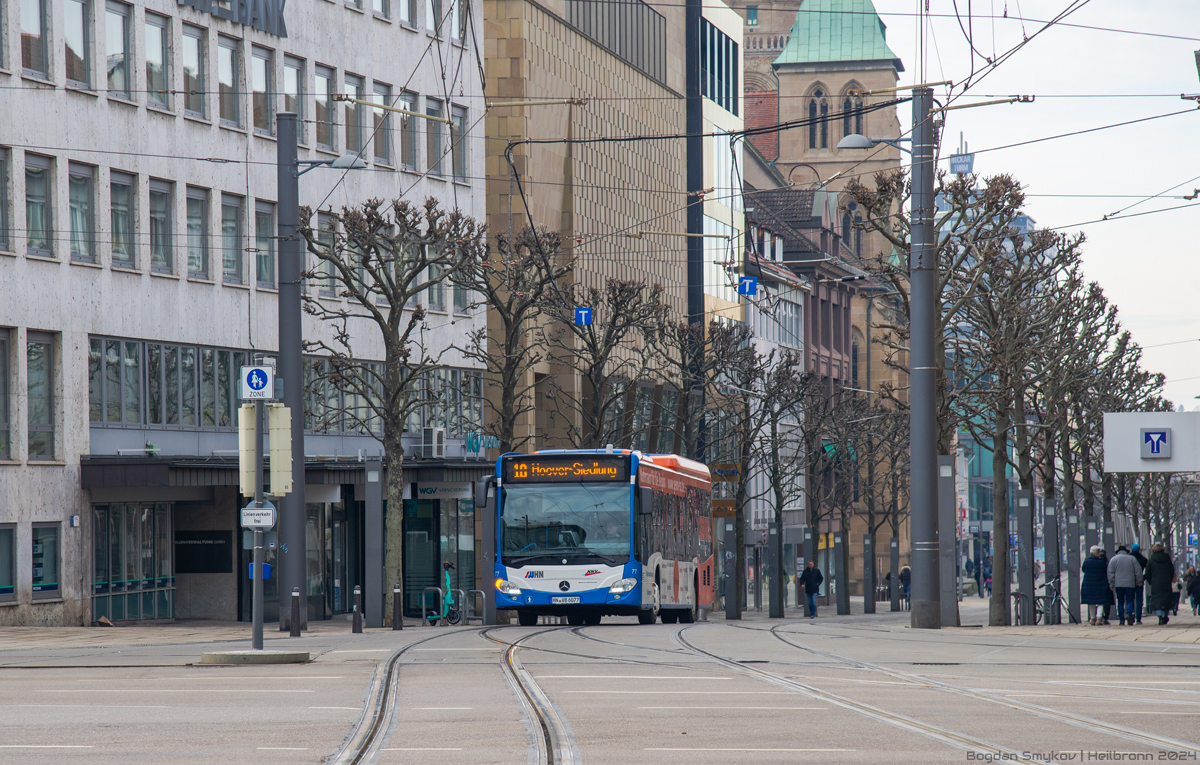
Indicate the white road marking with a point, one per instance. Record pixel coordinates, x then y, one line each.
434 708
422 749
46 746
628 677
283 749
704 693
102 705
737 749
351 708
1159 713
174 690
260 677
725 709
365 650
480 648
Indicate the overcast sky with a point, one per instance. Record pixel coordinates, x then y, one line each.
1147 265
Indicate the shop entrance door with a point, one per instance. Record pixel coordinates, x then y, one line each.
421 559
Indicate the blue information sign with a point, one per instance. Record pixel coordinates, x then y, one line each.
583 317
747 285
1193 540
962 163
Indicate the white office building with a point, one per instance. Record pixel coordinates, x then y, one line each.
137 262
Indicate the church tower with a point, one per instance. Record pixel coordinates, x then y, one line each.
835 47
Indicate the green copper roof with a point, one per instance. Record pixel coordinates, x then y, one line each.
837 30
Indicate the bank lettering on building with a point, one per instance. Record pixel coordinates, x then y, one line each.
263 15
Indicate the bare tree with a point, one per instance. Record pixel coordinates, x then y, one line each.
516 285
609 354
1014 304
971 220
378 259
693 358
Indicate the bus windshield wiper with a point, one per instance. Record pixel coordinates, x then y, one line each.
517 559
594 554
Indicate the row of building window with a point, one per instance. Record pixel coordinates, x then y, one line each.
268 87
720 66
138 383
133 562
45 561
163 240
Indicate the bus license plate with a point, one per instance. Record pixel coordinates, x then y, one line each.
564 601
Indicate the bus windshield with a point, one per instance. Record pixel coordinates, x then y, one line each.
543 523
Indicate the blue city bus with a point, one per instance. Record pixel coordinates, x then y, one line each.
591 533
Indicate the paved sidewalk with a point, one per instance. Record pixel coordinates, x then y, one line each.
180 633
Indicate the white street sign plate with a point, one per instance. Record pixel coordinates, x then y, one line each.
258 383
258 517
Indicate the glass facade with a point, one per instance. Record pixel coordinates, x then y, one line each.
133 566
46 560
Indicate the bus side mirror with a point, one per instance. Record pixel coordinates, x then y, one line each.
481 491
646 500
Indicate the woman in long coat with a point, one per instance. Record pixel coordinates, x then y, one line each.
1094 590
1160 573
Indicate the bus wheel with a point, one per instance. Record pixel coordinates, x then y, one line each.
645 617
576 620
668 617
527 618
591 620
689 616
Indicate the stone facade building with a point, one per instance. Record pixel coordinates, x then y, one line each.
138 253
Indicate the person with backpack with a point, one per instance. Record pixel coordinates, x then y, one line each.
1124 576
1139 592
811 580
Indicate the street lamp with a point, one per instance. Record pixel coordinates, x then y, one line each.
857 141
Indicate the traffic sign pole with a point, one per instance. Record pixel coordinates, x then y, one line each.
258 532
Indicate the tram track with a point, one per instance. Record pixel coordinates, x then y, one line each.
367 738
1080 721
556 744
941 734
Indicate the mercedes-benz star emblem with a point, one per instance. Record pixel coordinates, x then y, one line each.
564 585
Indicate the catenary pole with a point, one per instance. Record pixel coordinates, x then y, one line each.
923 276
292 553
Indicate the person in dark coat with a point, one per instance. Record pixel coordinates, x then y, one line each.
1160 573
811 580
905 582
1094 591
1193 591
1112 599
1139 593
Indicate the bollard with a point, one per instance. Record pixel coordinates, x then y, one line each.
397 616
357 625
295 612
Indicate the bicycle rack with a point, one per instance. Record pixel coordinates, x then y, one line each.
470 612
460 602
425 604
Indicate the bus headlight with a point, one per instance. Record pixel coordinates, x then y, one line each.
623 586
505 587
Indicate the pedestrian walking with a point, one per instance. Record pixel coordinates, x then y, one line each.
1193 591
1160 575
1110 598
811 581
1094 590
905 582
1176 594
1139 593
1124 576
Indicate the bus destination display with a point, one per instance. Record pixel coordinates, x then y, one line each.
573 468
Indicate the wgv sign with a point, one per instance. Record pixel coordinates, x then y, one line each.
477 441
